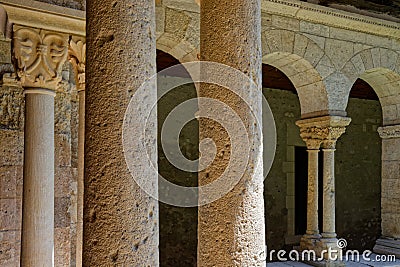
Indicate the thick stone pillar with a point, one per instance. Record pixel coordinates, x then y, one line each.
231 229
40 56
389 243
77 57
120 219
328 222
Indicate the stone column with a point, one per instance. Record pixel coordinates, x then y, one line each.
332 128
120 219
313 142
77 57
231 229
40 56
322 131
389 243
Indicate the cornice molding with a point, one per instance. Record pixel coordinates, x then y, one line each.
33 14
331 17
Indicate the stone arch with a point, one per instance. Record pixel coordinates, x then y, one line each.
305 78
379 67
177 33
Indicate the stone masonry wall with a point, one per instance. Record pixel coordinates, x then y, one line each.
11 170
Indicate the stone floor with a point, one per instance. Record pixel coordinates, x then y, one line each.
362 263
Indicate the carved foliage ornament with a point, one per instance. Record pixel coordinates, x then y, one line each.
40 56
77 56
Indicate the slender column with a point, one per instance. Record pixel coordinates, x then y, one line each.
231 229
120 220
312 194
77 57
316 132
40 56
389 242
329 206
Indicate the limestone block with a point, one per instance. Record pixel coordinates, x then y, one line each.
10 181
313 53
366 57
391 225
339 51
176 23
358 64
350 71
287 41
62 113
274 40
318 40
390 149
286 23
11 108
62 150
376 57
325 67
193 31
12 147
388 58
10 243
347 35
160 20
378 41
390 169
62 216
305 78
389 113
62 181
62 246
300 44
10 214
391 189
390 204
266 21
312 28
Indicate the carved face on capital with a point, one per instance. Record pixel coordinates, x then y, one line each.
40 57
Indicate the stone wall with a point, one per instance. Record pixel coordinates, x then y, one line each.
11 169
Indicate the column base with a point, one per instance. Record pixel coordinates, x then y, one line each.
309 241
387 246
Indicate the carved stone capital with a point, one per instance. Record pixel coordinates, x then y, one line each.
387 132
77 57
40 56
323 131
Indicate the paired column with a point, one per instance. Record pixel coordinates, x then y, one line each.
120 219
231 229
40 56
321 132
389 243
77 57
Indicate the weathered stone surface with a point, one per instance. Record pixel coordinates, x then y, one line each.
62 150
62 247
11 108
10 181
176 23
11 214
10 242
75 4
62 216
12 147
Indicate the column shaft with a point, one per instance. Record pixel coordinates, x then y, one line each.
37 245
312 194
120 219
231 229
329 194
81 171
